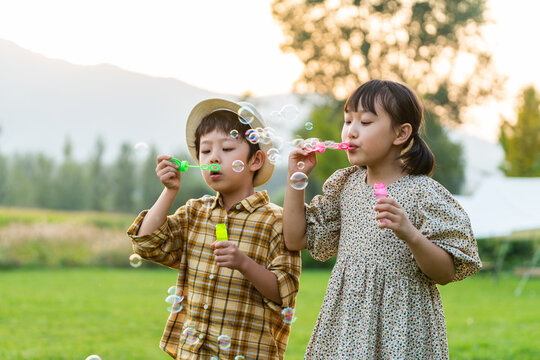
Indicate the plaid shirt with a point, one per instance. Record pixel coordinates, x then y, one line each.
220 301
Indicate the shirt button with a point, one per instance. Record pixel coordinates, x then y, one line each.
205 306
238 207
211 277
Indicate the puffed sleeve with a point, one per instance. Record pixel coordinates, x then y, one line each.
323 217
164 246
443 221
286 266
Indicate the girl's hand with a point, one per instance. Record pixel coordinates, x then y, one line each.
297 155
389 209
168 173
228 255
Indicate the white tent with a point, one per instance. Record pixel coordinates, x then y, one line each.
501 205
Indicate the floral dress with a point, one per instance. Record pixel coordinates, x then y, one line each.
378 304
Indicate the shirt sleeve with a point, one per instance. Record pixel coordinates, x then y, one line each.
323 217
164 246
286 266
445 223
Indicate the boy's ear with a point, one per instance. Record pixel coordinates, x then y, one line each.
403 132
257 160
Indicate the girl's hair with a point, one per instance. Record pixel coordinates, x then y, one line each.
403 106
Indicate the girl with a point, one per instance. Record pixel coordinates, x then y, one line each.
382 300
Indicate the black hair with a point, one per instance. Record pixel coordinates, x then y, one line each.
226 121
403 106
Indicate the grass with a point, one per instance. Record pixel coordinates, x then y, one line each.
120 313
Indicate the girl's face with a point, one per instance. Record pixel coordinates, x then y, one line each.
370 137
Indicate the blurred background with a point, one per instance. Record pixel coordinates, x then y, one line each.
92 92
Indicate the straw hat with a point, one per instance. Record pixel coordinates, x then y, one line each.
209 106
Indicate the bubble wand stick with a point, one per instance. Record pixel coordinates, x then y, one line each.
183 165
321 147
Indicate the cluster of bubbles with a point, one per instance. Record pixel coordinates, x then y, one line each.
174 300
135 260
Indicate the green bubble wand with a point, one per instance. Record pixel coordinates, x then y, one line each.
183 165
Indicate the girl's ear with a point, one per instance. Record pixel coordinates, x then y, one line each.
257 160
403 133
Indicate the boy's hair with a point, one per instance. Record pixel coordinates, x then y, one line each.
403 106
225 121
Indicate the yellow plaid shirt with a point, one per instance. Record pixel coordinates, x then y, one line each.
220 301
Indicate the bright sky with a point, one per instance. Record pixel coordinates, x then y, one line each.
228 46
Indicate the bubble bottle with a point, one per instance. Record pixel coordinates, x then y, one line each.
381 193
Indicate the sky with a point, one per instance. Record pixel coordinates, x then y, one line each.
232 46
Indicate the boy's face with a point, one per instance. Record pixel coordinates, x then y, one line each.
217 147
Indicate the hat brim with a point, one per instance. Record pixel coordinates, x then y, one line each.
209 106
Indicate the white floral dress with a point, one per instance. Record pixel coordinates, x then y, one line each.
378 304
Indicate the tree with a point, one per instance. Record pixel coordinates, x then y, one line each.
123 186
521 141
69 182
151 187
97 179
435 46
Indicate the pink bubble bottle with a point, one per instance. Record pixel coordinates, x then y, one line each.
380 193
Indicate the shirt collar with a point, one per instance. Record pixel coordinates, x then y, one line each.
251 203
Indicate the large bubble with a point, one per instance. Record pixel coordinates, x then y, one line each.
299 181
135 260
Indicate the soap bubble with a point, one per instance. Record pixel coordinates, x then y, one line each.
308 125
224 342
298 142
207 201
234 134
93 357
275 117
141 148
288 315
299 181
176 303
191 336
135 260
214 358
289 112
173 290
239 357
273 156
252 136
238 165
301 164
245 115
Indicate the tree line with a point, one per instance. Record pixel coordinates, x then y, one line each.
125 185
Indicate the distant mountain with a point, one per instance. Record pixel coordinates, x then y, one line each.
43 100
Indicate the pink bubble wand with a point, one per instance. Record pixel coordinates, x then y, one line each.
321 147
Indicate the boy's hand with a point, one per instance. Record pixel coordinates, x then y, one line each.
167 172
297 155
228 255
389 209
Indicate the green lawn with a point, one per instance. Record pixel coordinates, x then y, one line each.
120 313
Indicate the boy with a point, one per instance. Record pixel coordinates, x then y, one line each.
233 290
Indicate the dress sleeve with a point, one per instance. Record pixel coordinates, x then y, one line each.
323 217
286 266
165 245
445 223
